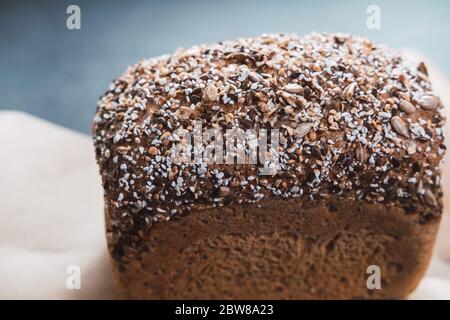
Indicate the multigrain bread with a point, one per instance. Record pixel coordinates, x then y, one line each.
356 182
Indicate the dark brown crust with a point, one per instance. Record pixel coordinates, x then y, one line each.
285 249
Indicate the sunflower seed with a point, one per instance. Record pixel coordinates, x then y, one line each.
289 130
359 153
430 199
422 68
303 129
184 113
211 93
241 57
428 102
399 126
294 88
349 90
412 148
407 107
255 76
290 99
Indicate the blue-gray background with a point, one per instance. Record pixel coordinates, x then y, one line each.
58 74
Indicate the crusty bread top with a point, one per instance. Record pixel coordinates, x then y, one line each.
355 119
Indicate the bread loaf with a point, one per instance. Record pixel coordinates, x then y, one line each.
353 180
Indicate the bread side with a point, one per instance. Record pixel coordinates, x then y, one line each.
283 249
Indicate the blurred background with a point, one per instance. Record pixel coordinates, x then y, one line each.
58 74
